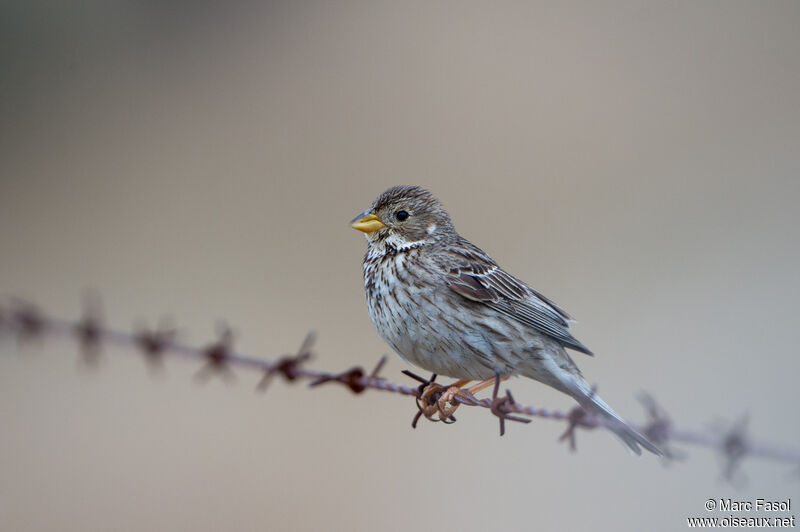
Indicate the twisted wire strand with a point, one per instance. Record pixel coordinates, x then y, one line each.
27 322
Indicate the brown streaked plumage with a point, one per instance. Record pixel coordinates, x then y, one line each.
446 306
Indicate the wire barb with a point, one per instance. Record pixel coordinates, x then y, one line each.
734 446
374 374
31 323
153 344
658 427
89 330
352 378
501 406
288 365
578 417
218 356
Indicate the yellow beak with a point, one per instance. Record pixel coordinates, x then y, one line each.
367 223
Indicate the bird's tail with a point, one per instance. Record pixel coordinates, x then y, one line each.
629 436
578 388
588 399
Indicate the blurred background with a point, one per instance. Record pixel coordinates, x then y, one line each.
636 162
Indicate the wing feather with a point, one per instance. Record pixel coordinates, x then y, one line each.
474 275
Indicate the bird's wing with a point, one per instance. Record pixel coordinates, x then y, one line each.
471 273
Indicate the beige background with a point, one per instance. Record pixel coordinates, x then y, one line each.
637 162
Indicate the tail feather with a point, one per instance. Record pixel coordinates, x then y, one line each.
577 387
629 436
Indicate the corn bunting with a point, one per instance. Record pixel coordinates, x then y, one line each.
444 305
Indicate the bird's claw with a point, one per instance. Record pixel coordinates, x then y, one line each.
439 403
449 402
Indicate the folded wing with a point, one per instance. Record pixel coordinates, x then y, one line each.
475 276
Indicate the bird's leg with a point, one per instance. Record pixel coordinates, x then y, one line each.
446 405
485 384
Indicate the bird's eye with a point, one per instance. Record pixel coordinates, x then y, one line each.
401 215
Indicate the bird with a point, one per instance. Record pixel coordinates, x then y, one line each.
446 306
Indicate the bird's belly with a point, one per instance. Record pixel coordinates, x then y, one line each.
438 331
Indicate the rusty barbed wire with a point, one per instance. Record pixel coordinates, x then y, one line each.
28 323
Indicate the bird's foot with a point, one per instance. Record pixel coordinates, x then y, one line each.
449 401
427 402
436 402
443 401
439 403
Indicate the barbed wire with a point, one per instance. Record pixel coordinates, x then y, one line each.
28 323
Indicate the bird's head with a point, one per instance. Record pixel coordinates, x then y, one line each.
404 217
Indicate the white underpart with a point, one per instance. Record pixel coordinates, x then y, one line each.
401 244
412 322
